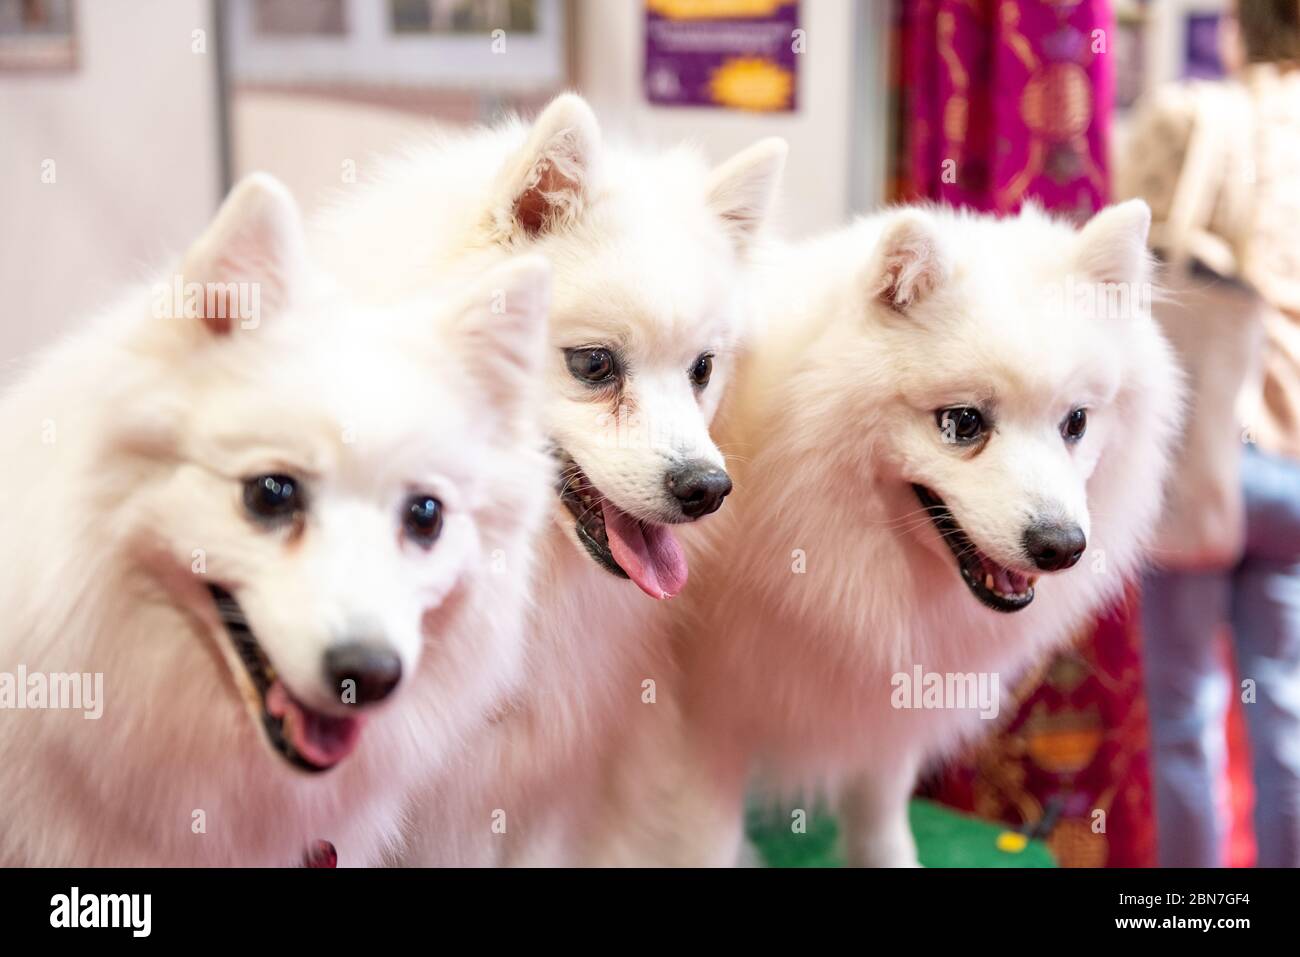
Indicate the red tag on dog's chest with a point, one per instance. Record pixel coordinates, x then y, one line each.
320 854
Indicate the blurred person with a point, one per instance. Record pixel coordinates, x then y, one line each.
1219 162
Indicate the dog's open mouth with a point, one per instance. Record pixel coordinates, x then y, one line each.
307 739
645 552
1002 589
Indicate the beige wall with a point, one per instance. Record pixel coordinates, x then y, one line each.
133 136
824 158
304 139
311 142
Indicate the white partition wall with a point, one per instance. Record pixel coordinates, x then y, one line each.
106 167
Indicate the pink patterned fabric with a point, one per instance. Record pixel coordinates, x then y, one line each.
1001 102
1004 100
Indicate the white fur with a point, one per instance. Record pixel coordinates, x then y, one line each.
125 448
647 248
869 331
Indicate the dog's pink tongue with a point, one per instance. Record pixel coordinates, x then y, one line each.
648 553
322 739
1011 583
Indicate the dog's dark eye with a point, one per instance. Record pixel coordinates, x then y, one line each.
596 366
272 498
964 424
422 519
1075 424
702 369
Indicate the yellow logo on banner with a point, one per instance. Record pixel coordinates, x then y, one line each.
715 9
752 84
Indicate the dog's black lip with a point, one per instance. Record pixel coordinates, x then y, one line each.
599 553
588 522
962 549
258 667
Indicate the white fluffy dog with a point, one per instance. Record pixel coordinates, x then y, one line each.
647 248
265 523
951 442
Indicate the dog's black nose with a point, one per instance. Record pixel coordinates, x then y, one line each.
699 487
373 671
1055 547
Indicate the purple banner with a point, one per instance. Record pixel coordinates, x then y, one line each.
735 54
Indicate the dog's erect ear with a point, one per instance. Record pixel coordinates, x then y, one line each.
251 256
1113 244
501 328
743 189
910 261
545 186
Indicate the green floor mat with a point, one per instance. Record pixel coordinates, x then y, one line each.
944 838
